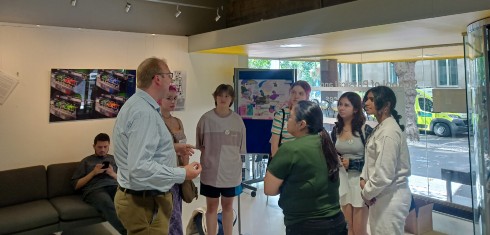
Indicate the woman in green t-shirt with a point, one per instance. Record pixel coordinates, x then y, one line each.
305 172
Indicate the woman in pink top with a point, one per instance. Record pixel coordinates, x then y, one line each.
174 125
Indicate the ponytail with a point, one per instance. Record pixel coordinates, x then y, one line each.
384 96
312 114
397 117
330 155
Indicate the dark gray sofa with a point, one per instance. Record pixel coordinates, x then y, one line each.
36 200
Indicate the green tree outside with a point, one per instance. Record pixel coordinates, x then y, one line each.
259 64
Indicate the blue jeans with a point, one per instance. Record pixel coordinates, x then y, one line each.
103 200
334 225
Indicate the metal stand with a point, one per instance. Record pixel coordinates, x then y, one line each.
239 217
258 168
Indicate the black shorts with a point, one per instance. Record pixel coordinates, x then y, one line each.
213 192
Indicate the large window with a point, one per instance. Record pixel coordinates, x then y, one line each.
306 70
356 73
391 73
425 104
443 142
447 73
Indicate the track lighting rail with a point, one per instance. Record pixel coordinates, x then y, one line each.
180 4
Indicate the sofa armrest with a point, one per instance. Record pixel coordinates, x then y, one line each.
22 185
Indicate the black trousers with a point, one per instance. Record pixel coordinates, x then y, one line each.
334 225
103 200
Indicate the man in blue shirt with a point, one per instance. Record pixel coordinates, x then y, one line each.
146 155
96 176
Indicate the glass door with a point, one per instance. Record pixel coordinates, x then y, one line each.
477 72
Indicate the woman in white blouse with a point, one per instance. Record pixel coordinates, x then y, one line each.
384 178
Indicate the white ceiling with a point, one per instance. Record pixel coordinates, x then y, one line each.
439 37
352 40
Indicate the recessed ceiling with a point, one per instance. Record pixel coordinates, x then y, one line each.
433 38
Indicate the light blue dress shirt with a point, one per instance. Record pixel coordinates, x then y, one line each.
143 147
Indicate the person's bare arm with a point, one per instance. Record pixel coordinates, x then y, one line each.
84 180
345 162
184 150
110 171
274 144
271 184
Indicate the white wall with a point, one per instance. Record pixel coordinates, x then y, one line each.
28 53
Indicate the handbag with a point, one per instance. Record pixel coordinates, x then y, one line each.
197 222
188 191
356 164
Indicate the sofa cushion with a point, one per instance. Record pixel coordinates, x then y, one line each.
22 185
27 216
59 179
73 208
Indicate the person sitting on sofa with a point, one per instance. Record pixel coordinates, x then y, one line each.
96 176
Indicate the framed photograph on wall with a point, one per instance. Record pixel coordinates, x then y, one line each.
179 82
80 94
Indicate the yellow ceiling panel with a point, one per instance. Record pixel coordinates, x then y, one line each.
235 50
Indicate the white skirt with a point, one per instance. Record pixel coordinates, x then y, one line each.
351 190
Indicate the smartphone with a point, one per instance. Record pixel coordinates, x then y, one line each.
106 164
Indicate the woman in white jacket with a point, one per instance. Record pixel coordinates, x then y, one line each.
384 178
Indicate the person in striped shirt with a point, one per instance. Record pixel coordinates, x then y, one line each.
300 90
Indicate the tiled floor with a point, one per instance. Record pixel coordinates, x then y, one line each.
261 219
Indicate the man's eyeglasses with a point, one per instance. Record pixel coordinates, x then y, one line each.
170 75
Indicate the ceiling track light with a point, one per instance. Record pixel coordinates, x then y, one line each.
174 2
73 3
128 7
177 14
217 15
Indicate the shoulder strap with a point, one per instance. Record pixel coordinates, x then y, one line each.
363 134
173 137
366 132
282 125
181 126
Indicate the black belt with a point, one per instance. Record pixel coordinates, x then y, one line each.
142 193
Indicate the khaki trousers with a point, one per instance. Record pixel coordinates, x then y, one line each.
144 215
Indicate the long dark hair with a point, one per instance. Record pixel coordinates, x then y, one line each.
312 114
358 120
383 96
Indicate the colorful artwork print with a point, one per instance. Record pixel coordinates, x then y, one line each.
179 83
259 99
79 94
